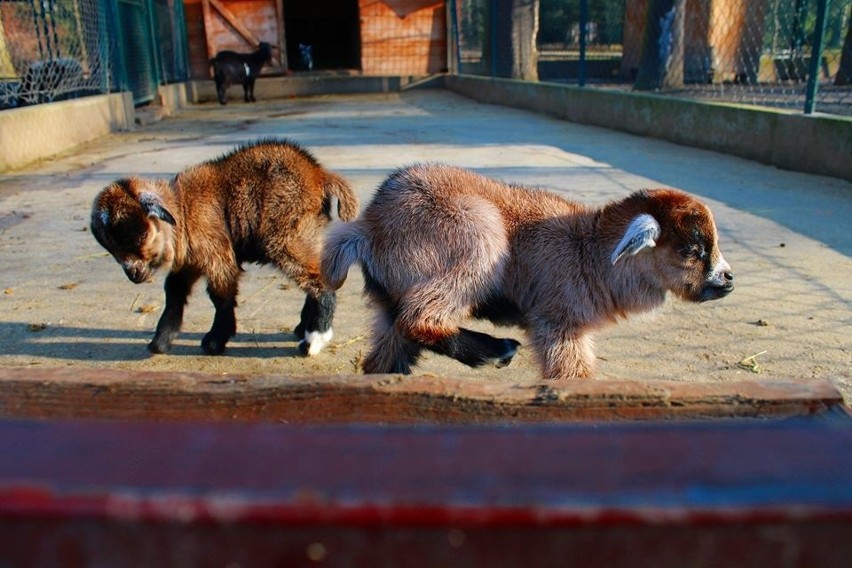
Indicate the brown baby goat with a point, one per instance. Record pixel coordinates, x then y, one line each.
265 202
438 245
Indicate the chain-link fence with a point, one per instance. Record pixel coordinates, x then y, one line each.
51 50
793 54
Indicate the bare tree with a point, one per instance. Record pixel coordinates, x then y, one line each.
514 50
662 46
524 32
844 73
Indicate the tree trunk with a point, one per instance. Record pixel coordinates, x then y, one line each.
7 68
844 73
662 46
736 37
524 33
674 63
515 26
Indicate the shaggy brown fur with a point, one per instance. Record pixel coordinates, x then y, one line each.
438 245
266 202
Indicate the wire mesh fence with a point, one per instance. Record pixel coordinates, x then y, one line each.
779 53
51 50
792 54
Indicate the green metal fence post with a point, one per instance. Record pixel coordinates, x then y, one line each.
584 22
115 42
816 56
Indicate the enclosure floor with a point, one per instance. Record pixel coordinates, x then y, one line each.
66 303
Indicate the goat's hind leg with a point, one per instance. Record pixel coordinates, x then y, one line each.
476 349
223 294
429 317
314 330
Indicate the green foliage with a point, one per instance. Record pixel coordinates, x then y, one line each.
472 23
558 18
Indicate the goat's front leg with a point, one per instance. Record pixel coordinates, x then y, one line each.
224 321
389 352
563 353
178 285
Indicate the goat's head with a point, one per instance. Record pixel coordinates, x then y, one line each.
131 222
264 51
686 258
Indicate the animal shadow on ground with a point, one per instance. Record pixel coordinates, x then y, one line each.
52 341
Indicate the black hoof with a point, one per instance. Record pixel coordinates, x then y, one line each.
511 350
159 347
213 346
304 347
299 331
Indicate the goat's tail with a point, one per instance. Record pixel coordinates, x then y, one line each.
345 244
347 202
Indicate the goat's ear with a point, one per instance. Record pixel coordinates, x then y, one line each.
642 232
153 207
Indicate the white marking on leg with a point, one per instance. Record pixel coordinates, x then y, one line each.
316 340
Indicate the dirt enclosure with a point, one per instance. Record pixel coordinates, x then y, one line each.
65 303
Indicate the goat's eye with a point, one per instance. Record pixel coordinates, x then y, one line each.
693 251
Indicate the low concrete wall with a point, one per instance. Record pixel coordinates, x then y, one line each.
32 133
818 144
203 91
173 97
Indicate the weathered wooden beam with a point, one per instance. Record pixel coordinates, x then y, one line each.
208 14
138 493
235 22
282 35
393 399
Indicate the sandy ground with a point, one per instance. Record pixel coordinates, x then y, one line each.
64 302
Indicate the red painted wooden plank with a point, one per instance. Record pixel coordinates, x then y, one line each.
739 494
109 393
557 474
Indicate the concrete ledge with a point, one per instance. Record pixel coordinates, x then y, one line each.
818 144
394 399
36 132
174 97
204 91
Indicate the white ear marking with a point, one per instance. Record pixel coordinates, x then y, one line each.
104 217
642 232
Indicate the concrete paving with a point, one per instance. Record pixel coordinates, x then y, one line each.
65 303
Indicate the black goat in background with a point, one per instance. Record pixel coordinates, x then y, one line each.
231 68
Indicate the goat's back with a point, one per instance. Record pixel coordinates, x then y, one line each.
425 196
266 192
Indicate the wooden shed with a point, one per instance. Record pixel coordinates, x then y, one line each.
370 37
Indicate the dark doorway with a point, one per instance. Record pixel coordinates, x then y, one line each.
330 28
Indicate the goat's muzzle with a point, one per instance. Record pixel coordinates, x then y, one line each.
137 271
718 287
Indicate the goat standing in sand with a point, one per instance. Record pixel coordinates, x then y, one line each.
438 245
232 68
266 202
